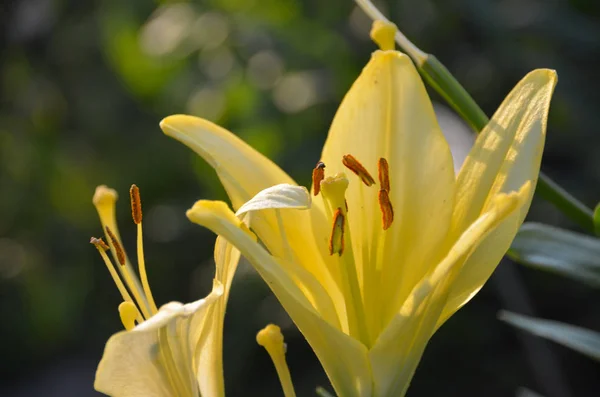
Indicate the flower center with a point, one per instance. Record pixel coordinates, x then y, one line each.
333 190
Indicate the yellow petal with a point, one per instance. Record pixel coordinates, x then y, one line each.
483 260
343 358
277 197
387 114
506 155
397 352
210 359
156 358
508 151
244 173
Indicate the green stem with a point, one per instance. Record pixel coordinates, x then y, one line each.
436 74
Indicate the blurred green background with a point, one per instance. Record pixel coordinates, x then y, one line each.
84 85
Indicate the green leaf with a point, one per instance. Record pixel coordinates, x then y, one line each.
597 220
558 250
582 340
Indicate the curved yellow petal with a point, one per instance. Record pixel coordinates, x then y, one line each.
156 358
483 260
505 156
210 359
244 173
397 352
277 197
387 114
508 151
343 358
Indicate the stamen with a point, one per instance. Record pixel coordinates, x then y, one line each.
128 313
127 273
384 174
136 204
99 243
136 212
336 240
117 246
102 247
317 176
386 209
355 166
271 339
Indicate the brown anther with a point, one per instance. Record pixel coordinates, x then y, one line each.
355 166
117 245
336 240
387 210
318 175
136 204
99 243
346 204
384 174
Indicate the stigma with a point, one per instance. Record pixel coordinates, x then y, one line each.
383 33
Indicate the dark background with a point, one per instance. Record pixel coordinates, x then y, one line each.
83 85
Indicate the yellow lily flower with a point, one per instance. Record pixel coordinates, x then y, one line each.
172 351
374 267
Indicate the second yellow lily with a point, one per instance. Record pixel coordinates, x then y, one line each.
393 243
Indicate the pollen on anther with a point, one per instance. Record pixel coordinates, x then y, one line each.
356 167
117 245
384 174
99 243
318 175
387 210
136 204
336 240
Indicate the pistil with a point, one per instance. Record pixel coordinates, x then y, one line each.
333 190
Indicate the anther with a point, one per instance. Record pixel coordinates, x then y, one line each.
99 243
384 174
336 240
387 210
355 166
136 204
117 245
318 175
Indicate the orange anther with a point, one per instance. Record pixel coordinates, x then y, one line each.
384 174
355 166
117 246
387 210
99 243
336 240
136 204
317 176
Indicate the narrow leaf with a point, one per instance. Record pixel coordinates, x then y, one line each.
558 250
582 340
